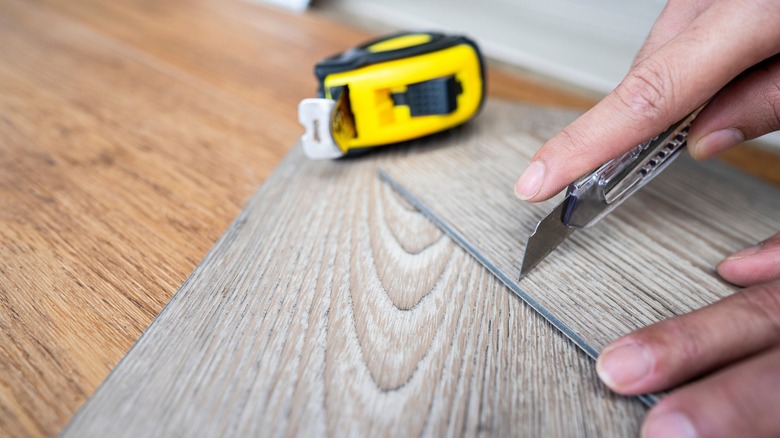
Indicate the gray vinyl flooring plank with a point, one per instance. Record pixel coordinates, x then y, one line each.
333 307
651 259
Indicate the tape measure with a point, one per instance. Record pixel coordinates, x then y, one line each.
392 89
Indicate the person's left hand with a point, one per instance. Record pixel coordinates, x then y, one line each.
732 347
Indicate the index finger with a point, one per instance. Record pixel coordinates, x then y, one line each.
679 77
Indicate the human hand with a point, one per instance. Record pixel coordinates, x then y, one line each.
733 345
726 52
723 50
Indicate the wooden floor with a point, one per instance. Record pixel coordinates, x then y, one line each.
331 307
131 134
653 258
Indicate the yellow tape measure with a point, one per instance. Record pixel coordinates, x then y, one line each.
392 89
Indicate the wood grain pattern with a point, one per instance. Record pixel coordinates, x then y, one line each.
651 259
132 134
331 307
98 226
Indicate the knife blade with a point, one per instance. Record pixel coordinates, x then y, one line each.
595 195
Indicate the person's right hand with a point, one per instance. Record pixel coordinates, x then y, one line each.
724 50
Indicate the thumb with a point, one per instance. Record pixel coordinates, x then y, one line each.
754 265
665 86
746 108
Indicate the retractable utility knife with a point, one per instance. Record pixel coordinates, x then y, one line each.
595 195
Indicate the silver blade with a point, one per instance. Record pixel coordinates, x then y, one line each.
549 233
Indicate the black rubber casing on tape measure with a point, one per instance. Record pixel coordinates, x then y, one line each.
360 56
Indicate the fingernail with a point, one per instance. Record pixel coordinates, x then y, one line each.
530 181
624 365
745 253
717 141
669 424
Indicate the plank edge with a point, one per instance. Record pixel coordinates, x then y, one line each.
648 399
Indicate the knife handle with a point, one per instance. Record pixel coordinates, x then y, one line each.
595 195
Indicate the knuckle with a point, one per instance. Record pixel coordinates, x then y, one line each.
689 345
580 141
674 342
646 91
764 301
763 88
772 96
567 140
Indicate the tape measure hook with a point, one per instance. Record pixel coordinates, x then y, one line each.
315 116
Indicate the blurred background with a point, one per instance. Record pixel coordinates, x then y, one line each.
584 44
588 43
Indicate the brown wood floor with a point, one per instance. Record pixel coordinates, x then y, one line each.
131 134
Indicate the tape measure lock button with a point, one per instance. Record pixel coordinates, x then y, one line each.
433 97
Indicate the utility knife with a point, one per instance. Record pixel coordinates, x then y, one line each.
596 194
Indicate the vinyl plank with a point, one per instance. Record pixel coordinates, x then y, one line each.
652 259
332 307
131 134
